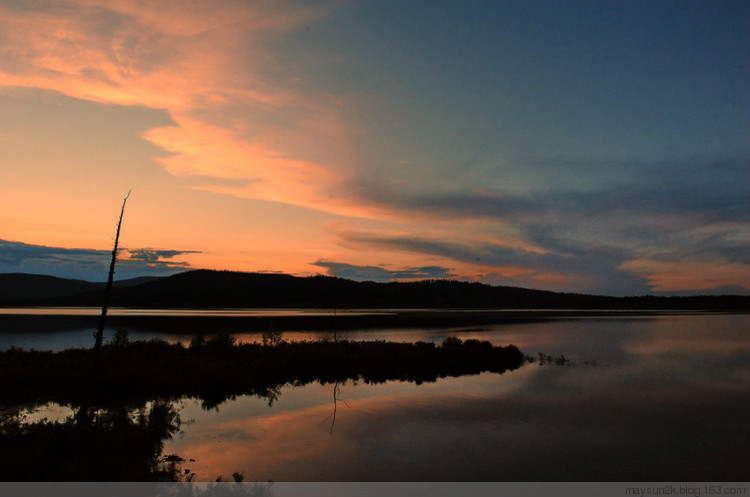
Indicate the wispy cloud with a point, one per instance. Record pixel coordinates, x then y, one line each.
596 269
693 190
235 116
381 274
605 232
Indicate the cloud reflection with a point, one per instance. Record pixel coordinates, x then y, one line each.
651 411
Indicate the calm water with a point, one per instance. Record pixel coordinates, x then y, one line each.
667 400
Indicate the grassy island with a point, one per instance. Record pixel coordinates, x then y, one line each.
216 369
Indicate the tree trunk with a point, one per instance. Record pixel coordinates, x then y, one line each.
108 288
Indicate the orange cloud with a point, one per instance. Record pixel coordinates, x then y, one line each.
212 152
684 275
206 64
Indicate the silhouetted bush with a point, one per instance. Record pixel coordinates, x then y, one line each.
120 338
451 342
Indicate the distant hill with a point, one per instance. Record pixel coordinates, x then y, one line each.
224 289
31 289
133 281
23 288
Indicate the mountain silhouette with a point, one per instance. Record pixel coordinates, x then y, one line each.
227 289
25 289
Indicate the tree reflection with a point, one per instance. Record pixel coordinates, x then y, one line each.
336 392
94 444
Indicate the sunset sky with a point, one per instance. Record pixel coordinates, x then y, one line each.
589 146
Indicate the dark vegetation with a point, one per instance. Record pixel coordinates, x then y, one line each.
122 395
223 289
117 443
218 369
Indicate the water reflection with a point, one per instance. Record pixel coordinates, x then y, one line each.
57 329
92 444
666 402
100 387
126 311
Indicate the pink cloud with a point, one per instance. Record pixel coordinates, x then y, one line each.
206 64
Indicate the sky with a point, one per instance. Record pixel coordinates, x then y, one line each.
583 146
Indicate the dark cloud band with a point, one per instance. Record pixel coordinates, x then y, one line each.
87 264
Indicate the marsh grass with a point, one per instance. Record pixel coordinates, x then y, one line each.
217 369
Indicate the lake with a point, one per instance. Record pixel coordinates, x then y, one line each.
657 397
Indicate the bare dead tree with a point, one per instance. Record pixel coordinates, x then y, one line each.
108 288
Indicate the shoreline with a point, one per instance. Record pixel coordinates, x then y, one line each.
210 321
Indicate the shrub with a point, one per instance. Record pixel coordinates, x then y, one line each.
451 342
120 338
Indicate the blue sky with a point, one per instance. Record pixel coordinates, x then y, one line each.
580 146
